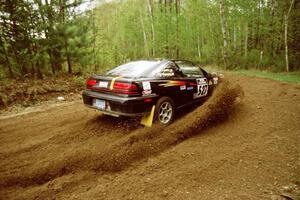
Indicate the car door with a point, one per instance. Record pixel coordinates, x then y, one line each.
197 83
172 83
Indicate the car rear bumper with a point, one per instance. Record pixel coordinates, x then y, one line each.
118 105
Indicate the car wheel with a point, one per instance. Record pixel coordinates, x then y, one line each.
164 111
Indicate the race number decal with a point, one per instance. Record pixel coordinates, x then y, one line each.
202 88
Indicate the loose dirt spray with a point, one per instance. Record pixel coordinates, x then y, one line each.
136 145
143 143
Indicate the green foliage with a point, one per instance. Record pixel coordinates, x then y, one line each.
79 80
135 29
38 37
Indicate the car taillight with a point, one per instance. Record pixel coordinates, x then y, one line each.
148 100
125 88
90 83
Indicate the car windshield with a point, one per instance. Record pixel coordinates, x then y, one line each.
135 69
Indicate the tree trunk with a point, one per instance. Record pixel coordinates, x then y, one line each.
55 53
166 29
211 30
198 47
152 27
261 58
234 38
68 56
286 43
272 27
257 36
246 42
177 27
144 36
51 61
286 20
224 31
279 45
69 65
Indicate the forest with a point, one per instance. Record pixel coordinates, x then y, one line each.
44 37
149 130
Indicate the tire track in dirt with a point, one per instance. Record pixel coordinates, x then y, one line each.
109 144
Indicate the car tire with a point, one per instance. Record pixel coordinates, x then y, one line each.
164 110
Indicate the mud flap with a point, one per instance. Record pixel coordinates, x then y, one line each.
147 120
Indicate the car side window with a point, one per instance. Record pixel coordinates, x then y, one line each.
189 69
171 70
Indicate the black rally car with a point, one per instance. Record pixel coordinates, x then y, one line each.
134 88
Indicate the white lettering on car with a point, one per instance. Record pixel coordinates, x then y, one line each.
202 88
147 92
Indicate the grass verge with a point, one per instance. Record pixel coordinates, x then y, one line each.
288 77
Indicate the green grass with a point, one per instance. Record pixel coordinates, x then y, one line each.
288 77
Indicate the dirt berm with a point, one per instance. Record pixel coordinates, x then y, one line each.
239 145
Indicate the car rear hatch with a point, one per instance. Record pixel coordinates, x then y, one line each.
114 85
115 96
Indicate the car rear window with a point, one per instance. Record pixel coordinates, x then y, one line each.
135 69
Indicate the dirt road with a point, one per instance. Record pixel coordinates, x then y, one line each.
222 150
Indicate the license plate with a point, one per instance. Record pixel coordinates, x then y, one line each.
100 104
103 84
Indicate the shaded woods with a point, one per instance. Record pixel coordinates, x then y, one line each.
41 37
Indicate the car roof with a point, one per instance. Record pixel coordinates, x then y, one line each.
151 66
163 60
133 68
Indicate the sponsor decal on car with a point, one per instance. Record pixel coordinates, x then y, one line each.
190 88
146 85
166 73
202 88
146 92
182 87
173 83
146 88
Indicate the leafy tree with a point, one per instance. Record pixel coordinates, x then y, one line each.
39 33
39 37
